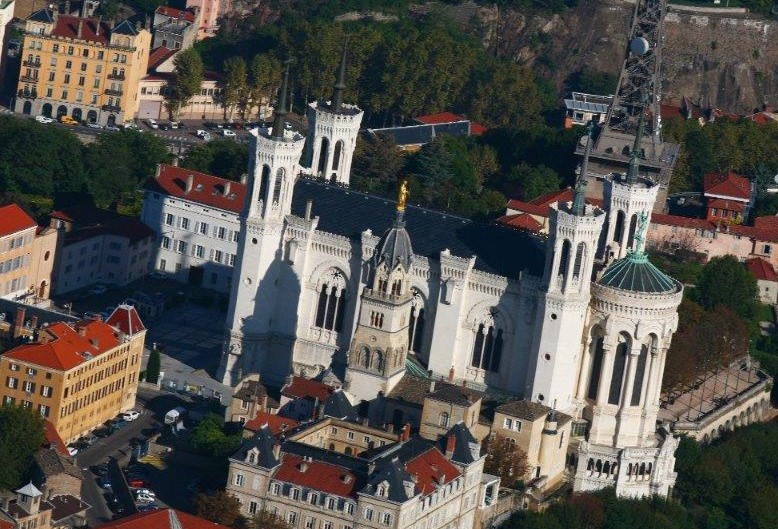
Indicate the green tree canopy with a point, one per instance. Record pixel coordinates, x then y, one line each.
235 84
188 79
223 158
219 507
153 366
21 434
209 437
725 281
534 181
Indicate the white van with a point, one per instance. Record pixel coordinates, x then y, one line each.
175 415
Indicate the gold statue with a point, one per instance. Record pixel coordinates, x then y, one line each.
402 196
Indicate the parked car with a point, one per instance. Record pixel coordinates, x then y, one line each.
130 416
112 128
117 425
227 133
130 125
105 482
67 120
89 439
99 470
152 123
147 492
164 125
137 483
204 134
148 507
44 119
72 450
102 432
145 498
94 125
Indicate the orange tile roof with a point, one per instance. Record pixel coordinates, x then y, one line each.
761 269
66 26
541 205
476 129
768 222
428 468
683 222
53 440
316 475
162 519
206 189
13 219
175 13
731 205
158 56
276 423
522 221
302 387
126 319
62 347
727 184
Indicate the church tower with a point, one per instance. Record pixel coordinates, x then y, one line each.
333 127
574 230
376 358
273 168
628 197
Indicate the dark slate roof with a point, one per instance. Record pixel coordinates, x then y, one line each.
635 273
421 134
125 28
498 249
263 441
65 506
463 446
395 246
9 308
339 407
524 409
51 463
392 472
410 389
42 15
457 395
250 390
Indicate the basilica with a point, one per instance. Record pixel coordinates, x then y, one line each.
328 278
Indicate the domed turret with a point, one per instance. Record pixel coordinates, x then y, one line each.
636 273
395 248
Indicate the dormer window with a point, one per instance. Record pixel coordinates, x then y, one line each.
381 491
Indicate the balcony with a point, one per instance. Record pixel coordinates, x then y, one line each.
116 76
27 94
28 79
112 92
112 108
32 64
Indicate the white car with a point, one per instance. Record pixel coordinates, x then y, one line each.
145 498
112 128
130 416
130 125
72 450
152 123
204 134
93 125
227 133
146 492
44 119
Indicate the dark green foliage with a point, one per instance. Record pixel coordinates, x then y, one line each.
534 181
377 165
223 158
593 82
209 437
725 281
21 434
153 366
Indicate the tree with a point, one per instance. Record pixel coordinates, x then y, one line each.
188 74
725 281
235 84
220 507
218 157
506 460
377 164
534 181
264 78
593 82
210 439
153 366
21 434
267 520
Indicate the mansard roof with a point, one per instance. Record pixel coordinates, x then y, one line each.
498 249
338 406
263 441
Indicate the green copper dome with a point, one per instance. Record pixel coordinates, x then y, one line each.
636 273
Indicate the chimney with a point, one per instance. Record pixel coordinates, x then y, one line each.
95 342
189 184
34 322
308 209
451 373
67 7
405 433
81 330
19 321
174 162
80 27
227 188
98 24
432 386
365 421
451 443
158 170
277 450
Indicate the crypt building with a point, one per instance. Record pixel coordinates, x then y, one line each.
328 277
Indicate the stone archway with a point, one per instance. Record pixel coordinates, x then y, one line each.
27 108
46 110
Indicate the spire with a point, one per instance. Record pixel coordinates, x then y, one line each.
280 110
340 85
634 159
579 198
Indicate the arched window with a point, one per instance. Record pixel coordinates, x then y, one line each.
597 351
487 348
337 155
332 300
580 255
378 361
619 365
416 324
633 223
279 183
364 360
606 468
263 183
564 259
323 153
443 420
618 232
640 372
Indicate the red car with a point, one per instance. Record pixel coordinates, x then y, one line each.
137 483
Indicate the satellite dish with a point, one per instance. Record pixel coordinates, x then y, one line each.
775 179
639 46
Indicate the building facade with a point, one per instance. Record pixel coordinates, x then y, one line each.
208 14
77 375
81 67
174 29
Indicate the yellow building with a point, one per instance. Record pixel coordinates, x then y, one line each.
26 255
77 375
81 67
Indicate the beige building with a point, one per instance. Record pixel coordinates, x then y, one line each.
77 375
26 256
81 67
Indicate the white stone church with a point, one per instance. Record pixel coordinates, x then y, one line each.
329 277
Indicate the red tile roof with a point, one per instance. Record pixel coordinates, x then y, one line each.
306 388
683 222
67 27
126 319
13 219
727 184
768 222
522 221
53 440
317 475
161 519
65 347
89 221
752 232
6 525
476 129
206 189
761 269
540 205
731 205
158 56
429 468
175 13
276 423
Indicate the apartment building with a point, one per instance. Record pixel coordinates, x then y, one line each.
82 67
174 29
195 217
77 374
26 256
407 483
208 14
